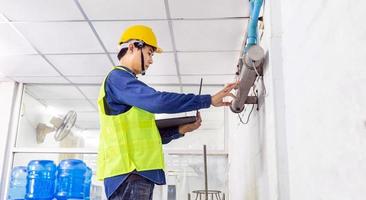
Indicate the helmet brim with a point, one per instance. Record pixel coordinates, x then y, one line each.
159 50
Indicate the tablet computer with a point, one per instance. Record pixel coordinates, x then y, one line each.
177 121
173 122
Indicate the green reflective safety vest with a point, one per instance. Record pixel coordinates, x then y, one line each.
128 141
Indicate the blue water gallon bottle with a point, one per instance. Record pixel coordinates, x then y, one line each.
41 180
18 182
70 179
87 183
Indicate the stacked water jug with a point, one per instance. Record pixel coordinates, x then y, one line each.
42 180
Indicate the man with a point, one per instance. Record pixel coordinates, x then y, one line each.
130 156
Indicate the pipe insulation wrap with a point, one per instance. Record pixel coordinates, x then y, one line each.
255 7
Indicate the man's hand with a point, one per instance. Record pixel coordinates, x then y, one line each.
217 99
183 129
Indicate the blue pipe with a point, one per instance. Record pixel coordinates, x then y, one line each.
255 7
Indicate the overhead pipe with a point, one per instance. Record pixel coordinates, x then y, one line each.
250 62
255 7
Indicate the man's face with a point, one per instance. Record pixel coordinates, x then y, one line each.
148 52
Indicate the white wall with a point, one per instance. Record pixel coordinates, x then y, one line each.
258 150
324 46
313 118
7 91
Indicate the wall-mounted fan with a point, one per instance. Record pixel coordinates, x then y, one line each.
61 127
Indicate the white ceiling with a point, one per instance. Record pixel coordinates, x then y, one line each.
127 9
74 43
32 10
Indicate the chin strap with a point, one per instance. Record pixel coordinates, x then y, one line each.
140 45
142 63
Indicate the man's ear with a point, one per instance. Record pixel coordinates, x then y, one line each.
131 47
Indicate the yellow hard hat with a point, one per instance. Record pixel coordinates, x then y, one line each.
140 32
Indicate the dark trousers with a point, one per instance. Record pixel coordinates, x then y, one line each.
134 188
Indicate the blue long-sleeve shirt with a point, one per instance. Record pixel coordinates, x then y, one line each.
123 91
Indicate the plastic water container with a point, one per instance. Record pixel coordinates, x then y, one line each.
87 183
41 180
70 179
18 182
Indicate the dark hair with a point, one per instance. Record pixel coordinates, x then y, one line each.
121 53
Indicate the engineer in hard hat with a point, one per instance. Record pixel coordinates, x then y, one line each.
130 155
